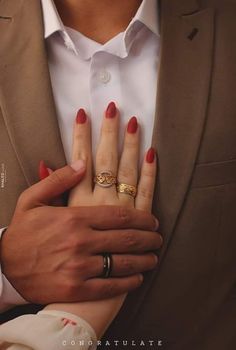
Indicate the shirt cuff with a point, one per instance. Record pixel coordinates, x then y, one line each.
9 297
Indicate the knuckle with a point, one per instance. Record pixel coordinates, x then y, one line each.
108 128
109 288
69 218
145 192
83 243
126 172
71 288
104 159
57 178
24 197
80 136
80 243
130 240
148 173
81 266
32 218
73 241
101 241
127 265
131 145
123 213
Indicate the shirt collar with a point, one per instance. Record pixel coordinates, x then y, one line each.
146 15
53 23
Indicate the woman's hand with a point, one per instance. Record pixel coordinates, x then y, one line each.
101 313
124 168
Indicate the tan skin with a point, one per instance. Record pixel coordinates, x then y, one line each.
97 20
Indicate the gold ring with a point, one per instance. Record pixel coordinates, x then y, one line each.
126 189
105 179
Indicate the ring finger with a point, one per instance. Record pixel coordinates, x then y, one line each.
122 265
128 167
107 155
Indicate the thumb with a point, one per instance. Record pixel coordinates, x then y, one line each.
53 185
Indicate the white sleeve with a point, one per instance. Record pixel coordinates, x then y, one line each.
49 329
9 297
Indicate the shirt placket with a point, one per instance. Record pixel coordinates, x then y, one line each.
105 86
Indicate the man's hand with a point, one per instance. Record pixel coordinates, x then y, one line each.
54 254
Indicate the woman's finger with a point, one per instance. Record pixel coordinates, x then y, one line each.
128 167
147 181
82 149
107 154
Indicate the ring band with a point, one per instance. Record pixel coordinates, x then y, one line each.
127 189
105 179
107 265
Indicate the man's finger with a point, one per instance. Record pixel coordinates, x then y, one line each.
114 217
122 265
126 241
52 186
100 288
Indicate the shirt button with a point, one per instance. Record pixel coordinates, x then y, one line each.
104 76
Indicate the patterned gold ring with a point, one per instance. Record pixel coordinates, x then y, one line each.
127 189
105 179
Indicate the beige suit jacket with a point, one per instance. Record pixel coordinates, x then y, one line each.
190 301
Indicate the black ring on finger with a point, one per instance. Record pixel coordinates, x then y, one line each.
107 265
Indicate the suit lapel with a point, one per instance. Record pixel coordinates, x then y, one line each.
182 101
25 89
183 93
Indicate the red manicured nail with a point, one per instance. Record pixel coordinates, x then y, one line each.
150 155
111 110
132 125
43 171
81 116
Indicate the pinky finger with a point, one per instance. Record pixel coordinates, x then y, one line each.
147 181
100 288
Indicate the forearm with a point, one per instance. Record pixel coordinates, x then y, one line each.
99 314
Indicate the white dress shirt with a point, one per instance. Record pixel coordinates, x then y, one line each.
89 75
